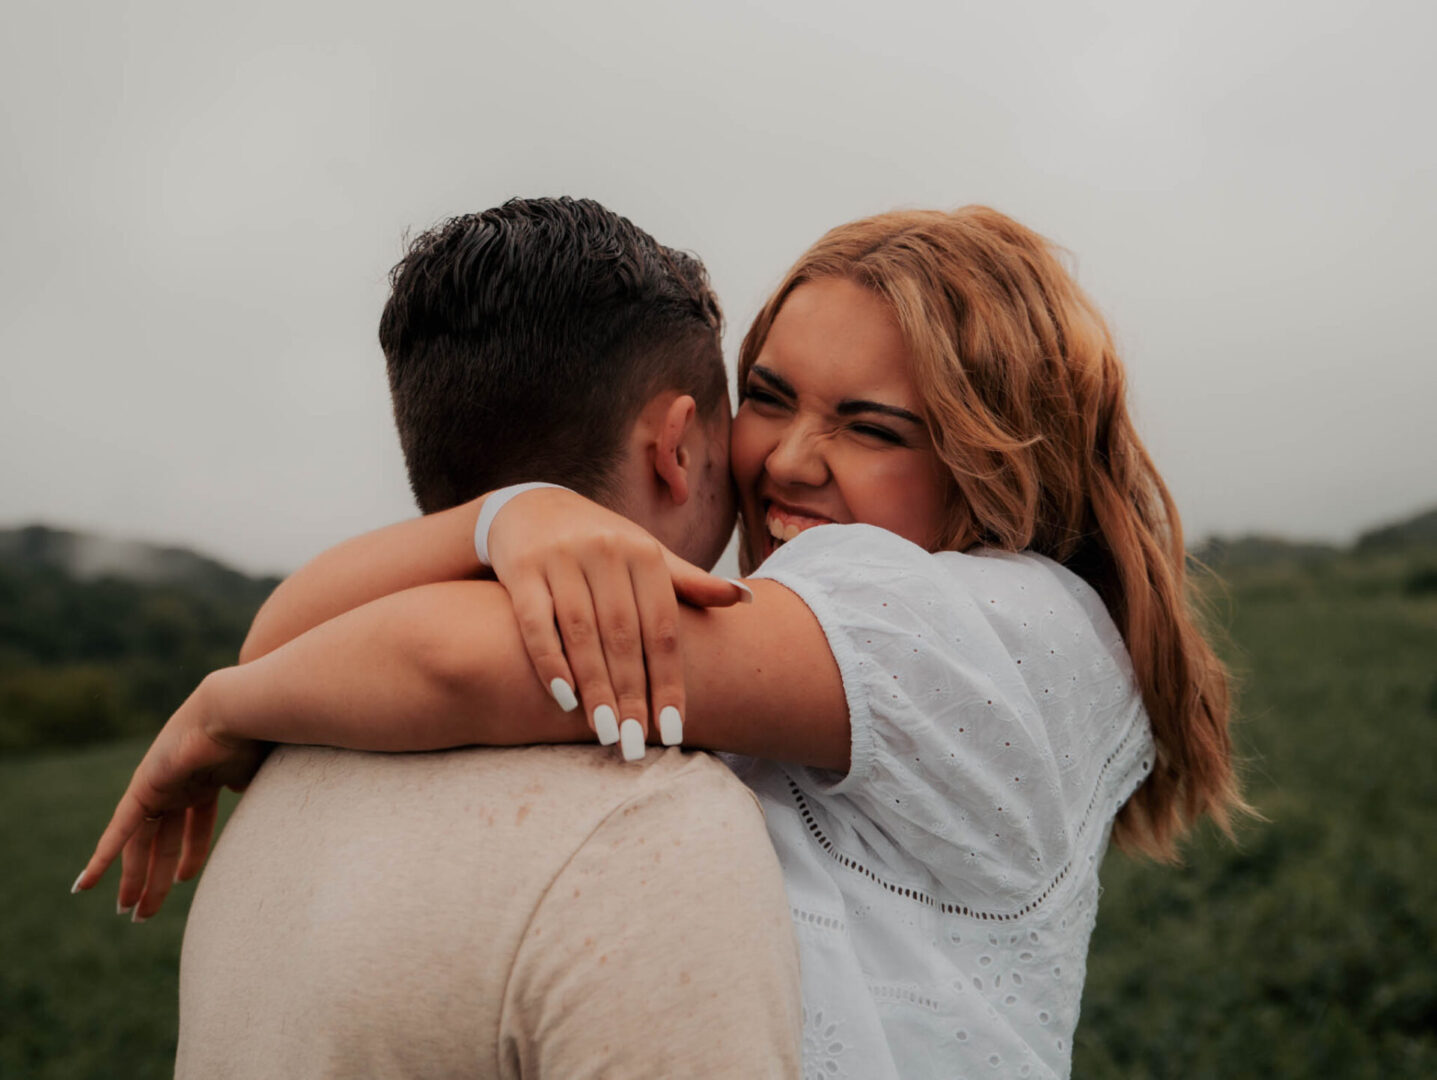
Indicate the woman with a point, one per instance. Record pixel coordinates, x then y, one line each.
986 667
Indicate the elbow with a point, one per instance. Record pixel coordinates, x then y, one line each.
443 665
264 637
250 650
259 640
447 675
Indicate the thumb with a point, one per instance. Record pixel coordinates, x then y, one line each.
702 589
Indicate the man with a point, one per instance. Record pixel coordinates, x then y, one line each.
542 911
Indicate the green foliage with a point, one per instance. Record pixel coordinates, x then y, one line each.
1307 949
83 660
83 994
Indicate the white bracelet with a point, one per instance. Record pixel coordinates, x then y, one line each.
493 503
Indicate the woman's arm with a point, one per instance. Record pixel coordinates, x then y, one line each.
445 665
567 562
441 666
436 547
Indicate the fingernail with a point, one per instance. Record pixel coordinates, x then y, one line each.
136 918
631 740
606 727
76 887
745 593
564 695
671 726
123 910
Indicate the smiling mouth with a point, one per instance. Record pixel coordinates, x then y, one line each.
784 525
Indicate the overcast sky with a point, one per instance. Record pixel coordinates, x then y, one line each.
201 202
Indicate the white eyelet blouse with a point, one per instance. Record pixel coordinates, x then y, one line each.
944 890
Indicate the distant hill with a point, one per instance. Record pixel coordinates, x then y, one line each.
1419 531
87 557
101 637
1256 550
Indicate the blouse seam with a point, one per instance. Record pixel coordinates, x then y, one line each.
952 908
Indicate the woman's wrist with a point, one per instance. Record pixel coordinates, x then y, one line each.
207 706
490 505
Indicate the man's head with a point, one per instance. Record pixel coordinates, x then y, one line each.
550 339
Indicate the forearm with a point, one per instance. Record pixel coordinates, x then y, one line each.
433 548
444 665
428 668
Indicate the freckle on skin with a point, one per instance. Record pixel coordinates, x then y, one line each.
521 815
604 959
684 978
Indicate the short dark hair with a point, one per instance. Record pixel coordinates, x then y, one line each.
522 342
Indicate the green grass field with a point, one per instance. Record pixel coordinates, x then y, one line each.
83 993
1306 951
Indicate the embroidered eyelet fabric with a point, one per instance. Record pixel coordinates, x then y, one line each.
944 890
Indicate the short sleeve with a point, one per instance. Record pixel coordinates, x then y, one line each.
984 692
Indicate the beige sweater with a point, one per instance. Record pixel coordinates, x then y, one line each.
528 912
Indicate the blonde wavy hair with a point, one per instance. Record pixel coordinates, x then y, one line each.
1026 400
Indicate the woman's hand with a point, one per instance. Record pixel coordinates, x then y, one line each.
596 597
165 821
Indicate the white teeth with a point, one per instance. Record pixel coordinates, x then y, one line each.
781 530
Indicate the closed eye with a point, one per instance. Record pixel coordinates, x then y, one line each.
876 432
761 396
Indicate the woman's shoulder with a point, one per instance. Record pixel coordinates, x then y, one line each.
988 694
1032 591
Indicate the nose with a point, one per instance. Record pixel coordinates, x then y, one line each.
798 457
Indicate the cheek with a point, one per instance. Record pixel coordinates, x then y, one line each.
904 494
747 451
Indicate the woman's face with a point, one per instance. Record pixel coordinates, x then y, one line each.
829 426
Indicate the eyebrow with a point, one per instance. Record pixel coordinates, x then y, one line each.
846 407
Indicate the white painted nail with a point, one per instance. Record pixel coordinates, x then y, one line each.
76 887
671 726
631 740
122 910
606 726
745 593
136 919
564 695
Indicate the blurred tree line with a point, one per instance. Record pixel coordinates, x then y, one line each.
100 638
88 654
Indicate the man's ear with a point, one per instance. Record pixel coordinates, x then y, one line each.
673 460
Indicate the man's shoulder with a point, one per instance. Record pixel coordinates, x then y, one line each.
550 797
